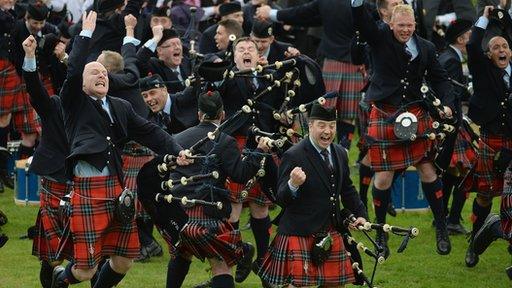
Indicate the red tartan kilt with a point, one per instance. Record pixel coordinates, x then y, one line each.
288 261
389 156
95 231
255 195
27 121
13 97
49 222
488 182
205 237
131 167
463 153
346 79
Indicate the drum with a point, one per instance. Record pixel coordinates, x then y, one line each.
26 185
13 147
407 193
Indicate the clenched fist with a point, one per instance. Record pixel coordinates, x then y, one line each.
29 46
297 177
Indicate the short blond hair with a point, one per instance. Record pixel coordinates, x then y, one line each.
112 61
402 9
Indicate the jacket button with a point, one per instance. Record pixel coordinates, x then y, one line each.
108 138
332 198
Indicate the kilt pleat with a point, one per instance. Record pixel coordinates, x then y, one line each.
464 155
346 79
131 166
388 155
49 222
288 261
488 182
255 194
206 237
95 231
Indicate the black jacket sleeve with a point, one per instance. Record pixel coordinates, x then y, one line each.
39 98
284 195
130 75
71 90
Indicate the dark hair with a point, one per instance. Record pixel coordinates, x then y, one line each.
232 27
244 39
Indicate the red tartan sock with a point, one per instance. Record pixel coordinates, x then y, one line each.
434 193
365 176
261 230
479 215
108 277
381 199
223 281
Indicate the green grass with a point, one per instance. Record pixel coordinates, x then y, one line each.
418 266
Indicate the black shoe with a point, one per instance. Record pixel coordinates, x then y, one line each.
3 240
391 210
456 229
243 268
154 249
56 283
382 241
6 179
508 270
489 233
471 257
205 284
442 240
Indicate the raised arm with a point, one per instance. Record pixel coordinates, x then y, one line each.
148 50
364 23
476 55
306 14
72 88
39 98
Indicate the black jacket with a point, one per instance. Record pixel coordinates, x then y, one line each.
488 106
393 79
313 207
207 42
53 148
125 84
276 52
89 135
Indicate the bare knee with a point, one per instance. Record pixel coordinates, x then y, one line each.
219 267
5 120
28 140
236 210
120 264
84 274
258 211
427 172
383 179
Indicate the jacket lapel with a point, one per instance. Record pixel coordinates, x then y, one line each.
314 159
339 168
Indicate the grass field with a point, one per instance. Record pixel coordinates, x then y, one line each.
418 266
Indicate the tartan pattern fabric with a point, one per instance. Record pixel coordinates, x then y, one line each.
27 121
131 167
288 261
255 194
94 230
506 205
49 222
488 182
12 94
346 79
464 156
387 155
206 237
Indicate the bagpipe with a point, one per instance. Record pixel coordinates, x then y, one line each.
377 253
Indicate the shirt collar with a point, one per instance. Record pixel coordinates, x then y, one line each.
103 100
317 148
266 52
458 52
167 106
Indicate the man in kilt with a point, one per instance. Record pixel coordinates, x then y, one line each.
207 234
490 108
48 162
340 75
34 23
313 177
456 156
14 103
97 127
400 60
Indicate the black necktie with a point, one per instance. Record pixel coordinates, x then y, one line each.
325 156
407 53
104 112
506 78
164 120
